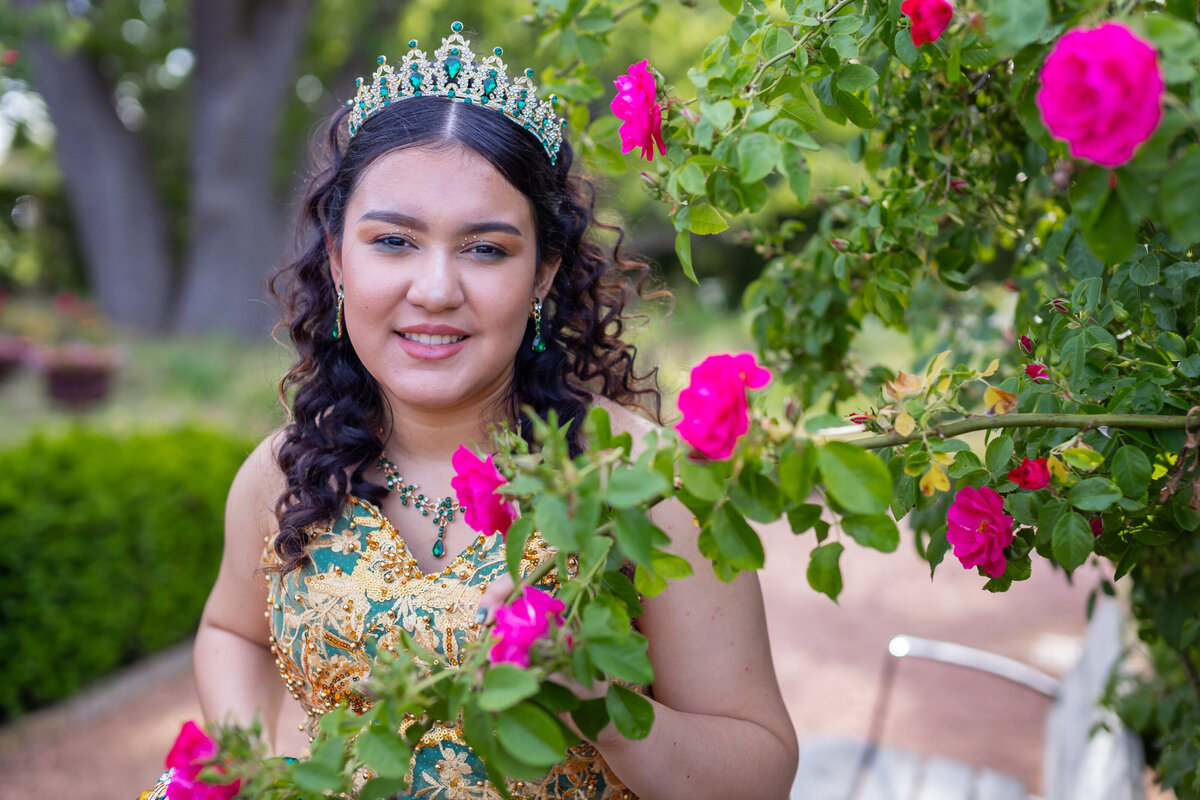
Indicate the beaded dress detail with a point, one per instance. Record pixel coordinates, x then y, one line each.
359 589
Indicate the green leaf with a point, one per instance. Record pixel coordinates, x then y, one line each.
856 77
804 517
797 463
693 178
1093 494
706 220
636 535
999 454
1178 197
316 778
624 659
824 574
505 685
777 42
591 716
719 114
736 540
1144 271
384 752
1131 470
877 531
1012 24
383 788
856 478
905 51
1072 540
757 496
514 543
1114 235
550 512
683 249
630 487
630 712
855 110
758 155
1023 507
531 735
1082 458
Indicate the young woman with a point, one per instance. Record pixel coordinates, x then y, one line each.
448 277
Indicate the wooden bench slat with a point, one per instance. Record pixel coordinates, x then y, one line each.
943 779
891 775
992 785
827 768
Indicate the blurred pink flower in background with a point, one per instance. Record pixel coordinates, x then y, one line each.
715 413
192 748
637 106
520 624
1101 93
929 19
475 483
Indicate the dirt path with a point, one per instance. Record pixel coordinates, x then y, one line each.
108 744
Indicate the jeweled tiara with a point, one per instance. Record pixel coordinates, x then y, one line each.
454 73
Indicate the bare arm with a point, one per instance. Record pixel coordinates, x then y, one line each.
235 672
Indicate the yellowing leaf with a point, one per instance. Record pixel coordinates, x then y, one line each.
935 367
1084 458
999 401
934 480
905 424
945 459
1058 468
904 385
991 368
943 385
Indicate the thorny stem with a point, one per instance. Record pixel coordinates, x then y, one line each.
1080 421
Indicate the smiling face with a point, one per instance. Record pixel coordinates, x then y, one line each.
438 260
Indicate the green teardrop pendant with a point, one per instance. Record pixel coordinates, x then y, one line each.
439 549
539 344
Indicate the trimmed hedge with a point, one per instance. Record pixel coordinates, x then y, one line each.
109 545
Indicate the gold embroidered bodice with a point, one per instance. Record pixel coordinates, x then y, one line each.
360 587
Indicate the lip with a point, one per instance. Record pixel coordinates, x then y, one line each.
431 352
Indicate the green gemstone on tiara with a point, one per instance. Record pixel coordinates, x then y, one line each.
450 94
528 72
453 67
498 51
357 82
456 27
454 52
415 80
381 60
412 43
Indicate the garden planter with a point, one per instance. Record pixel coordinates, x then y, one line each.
78 386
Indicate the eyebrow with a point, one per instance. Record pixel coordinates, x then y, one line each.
405 221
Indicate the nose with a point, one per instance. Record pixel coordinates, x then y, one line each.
436 282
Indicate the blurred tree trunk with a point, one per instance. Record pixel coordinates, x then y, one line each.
117 210
244 67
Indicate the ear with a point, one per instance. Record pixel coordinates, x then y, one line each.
546 277
335 260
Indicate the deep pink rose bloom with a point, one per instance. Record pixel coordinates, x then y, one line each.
636 104
979 529
193 747
1037 372
929 19
1102 93
522 623
714 403
475 483
1032 474
1027 345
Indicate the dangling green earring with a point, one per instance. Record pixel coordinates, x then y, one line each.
539 344
337 325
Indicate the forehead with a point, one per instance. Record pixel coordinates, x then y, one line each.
439 185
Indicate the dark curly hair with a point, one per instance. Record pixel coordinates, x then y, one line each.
338 415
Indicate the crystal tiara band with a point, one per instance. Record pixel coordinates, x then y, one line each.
454 73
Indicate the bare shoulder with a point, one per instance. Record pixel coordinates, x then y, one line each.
250 509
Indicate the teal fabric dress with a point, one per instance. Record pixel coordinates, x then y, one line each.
360 588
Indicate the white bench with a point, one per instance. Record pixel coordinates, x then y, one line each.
1088 753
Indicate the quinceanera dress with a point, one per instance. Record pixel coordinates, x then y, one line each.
359 589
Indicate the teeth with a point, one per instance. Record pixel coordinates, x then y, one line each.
426 338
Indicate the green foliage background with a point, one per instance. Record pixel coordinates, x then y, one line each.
109 545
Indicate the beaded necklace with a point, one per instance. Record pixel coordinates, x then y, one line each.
443 511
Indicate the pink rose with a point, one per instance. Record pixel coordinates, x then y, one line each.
1032 474
522 623
959 187
475 483
1036 372
713 405
1097 525
636 104
1102 93
979 529
1027 345
187 758
929 19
